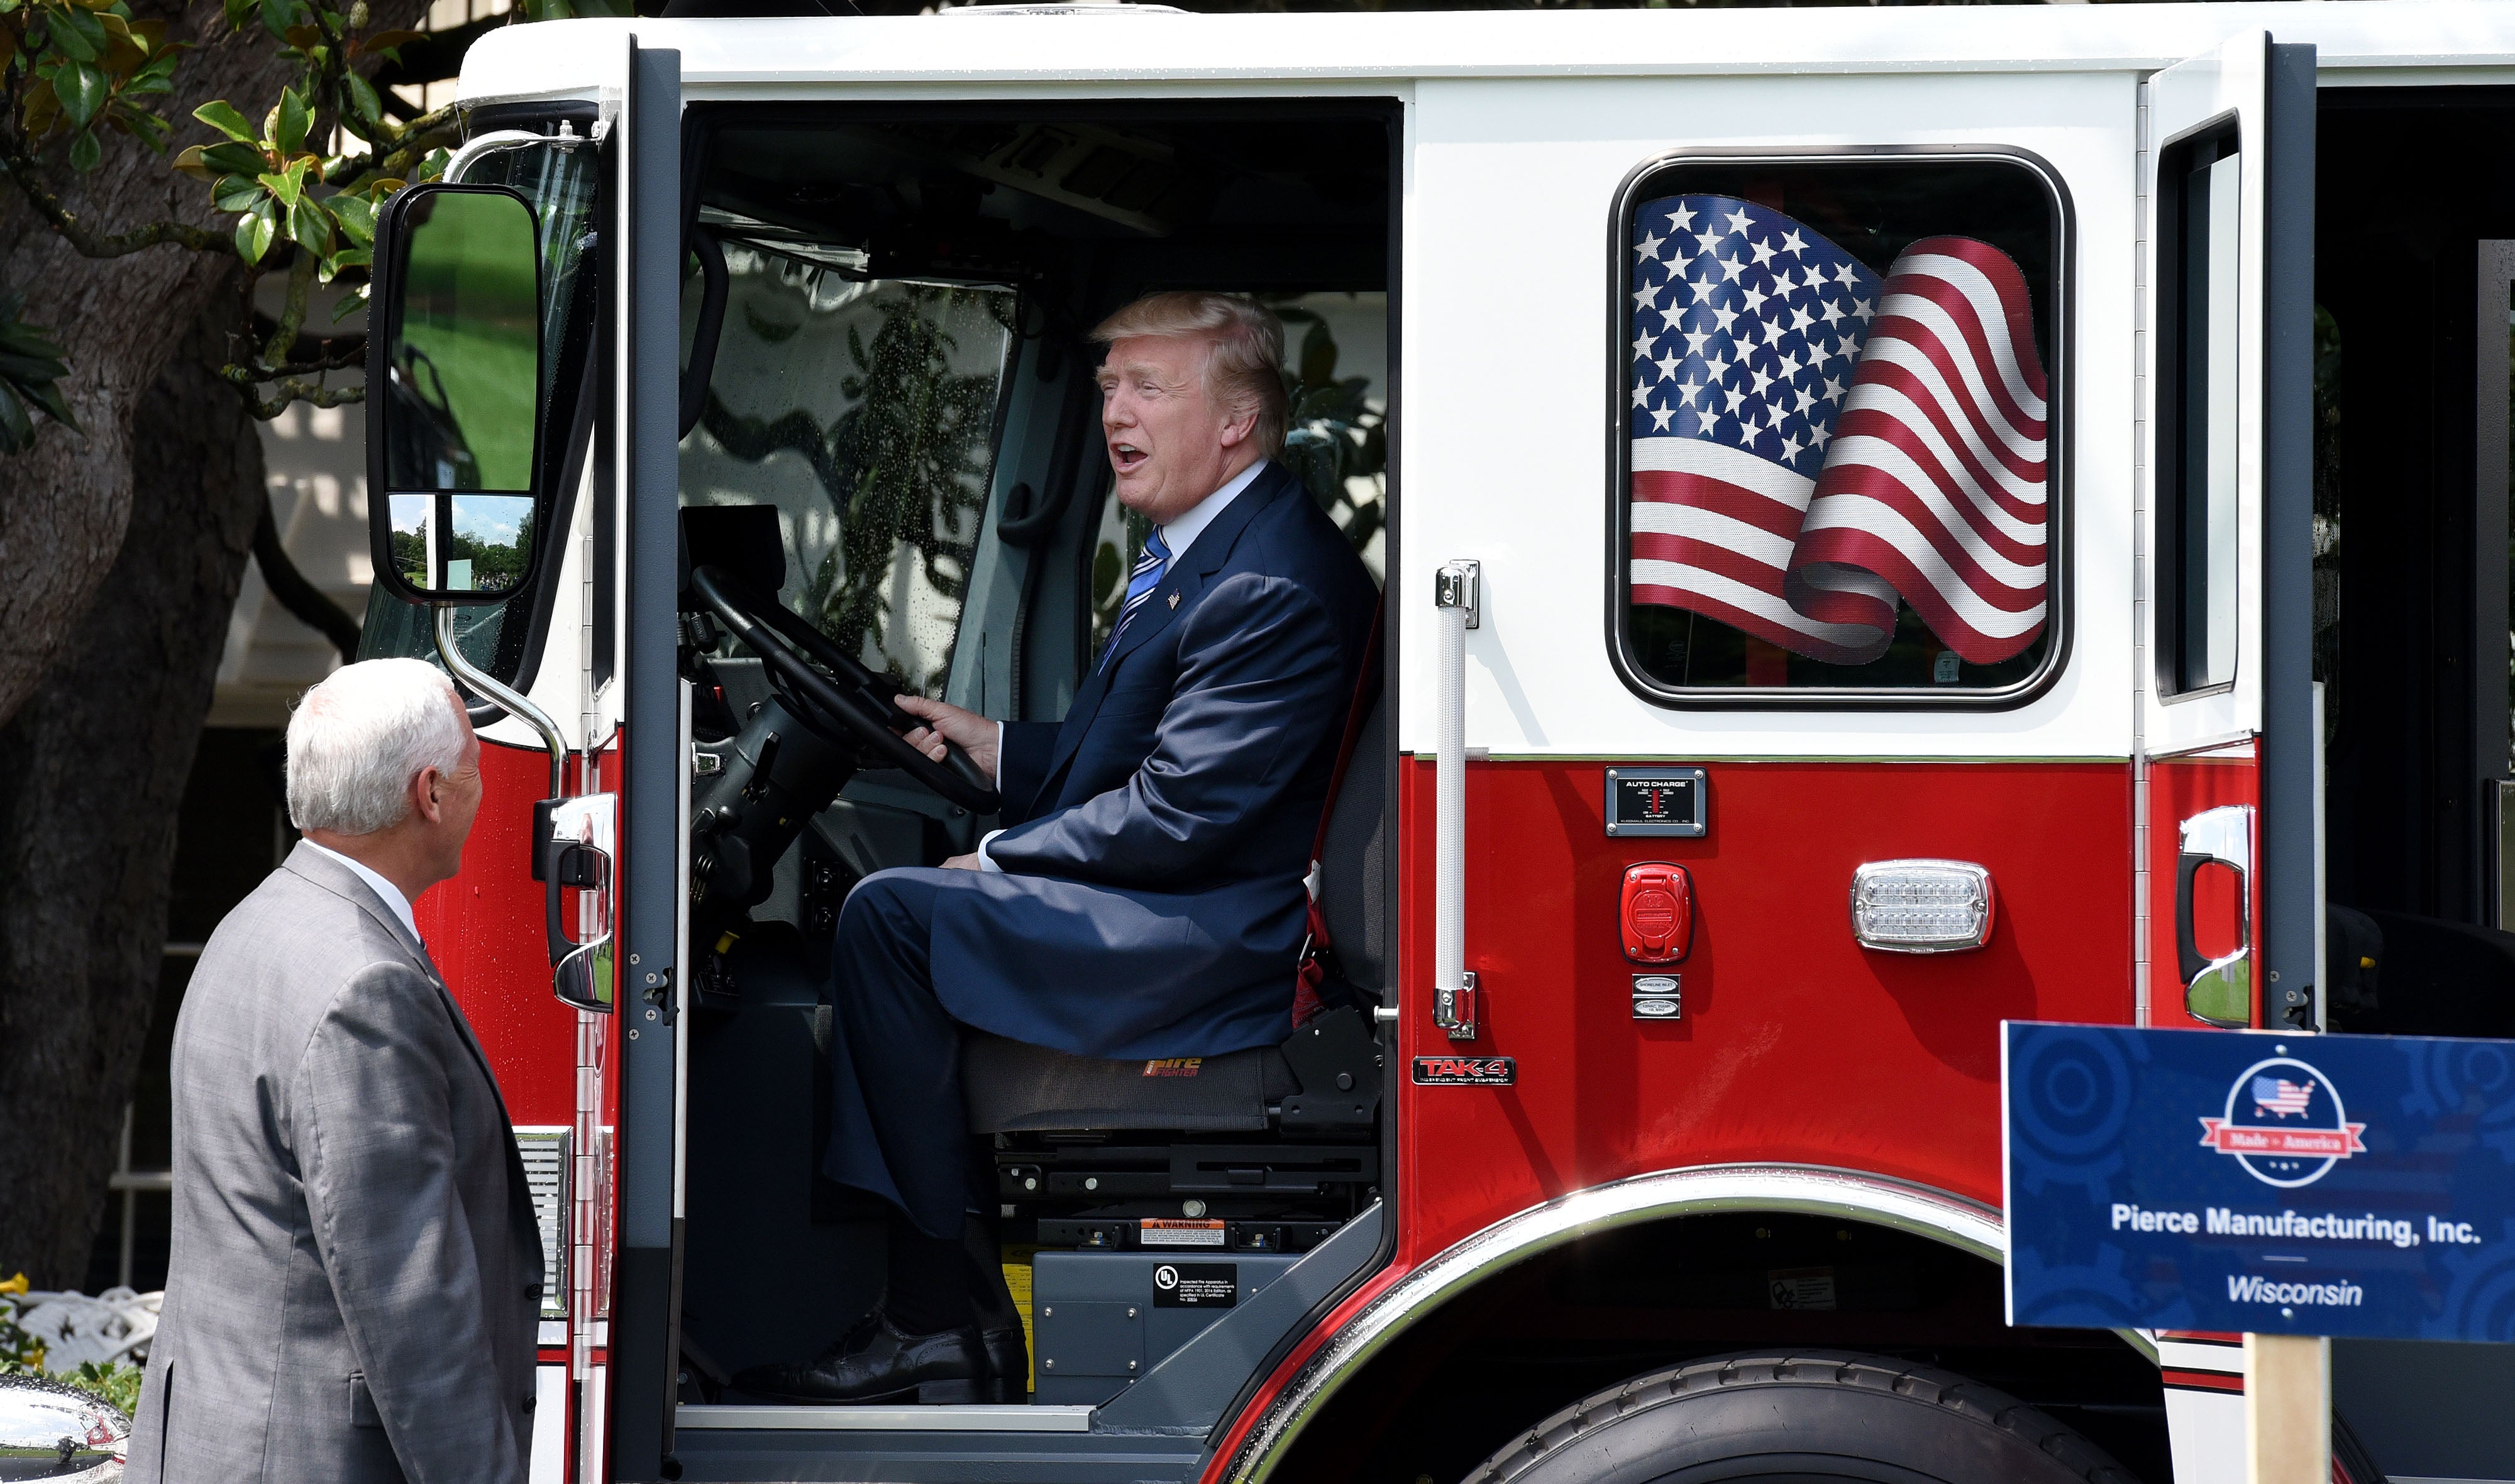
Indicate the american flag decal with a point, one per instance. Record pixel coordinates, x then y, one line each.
1811 444
2281 1097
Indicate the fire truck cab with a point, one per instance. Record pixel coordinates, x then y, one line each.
1870 549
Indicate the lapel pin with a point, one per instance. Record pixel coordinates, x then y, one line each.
1173 601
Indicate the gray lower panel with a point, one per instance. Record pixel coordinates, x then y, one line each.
1187 1392
2428 1410
936 1458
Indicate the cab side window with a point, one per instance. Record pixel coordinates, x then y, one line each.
2199 340
1840 456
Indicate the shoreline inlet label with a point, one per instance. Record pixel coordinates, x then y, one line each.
2250 1181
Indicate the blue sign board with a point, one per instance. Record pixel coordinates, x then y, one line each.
2252 1180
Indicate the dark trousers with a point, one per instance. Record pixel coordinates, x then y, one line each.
899 1127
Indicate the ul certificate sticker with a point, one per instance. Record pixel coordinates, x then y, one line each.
1196 1286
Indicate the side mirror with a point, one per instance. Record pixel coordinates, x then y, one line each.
454 367
576 855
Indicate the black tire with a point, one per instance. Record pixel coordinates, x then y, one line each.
1787 1416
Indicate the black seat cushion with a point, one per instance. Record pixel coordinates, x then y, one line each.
1015 1087
1353 883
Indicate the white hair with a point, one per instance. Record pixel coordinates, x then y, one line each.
359 737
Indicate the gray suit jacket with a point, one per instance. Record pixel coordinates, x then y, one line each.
355 1279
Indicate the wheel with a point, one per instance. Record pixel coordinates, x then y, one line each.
1819 1415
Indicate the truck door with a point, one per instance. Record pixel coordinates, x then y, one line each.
2224 754
646 333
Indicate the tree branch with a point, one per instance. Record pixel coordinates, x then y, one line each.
298 595
292 318
23 172
291 391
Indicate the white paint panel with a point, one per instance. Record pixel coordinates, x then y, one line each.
2205 1430
1506 414
549 1465
2182 101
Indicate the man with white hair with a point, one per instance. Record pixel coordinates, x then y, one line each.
355 1284
1145 898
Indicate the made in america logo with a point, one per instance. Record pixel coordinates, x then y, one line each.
2284 1124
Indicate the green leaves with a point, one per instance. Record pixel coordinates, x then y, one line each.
31 368
235 192
310 226
289 121
88 67
363 102
278 16
82 90
256 228
357 216
222 116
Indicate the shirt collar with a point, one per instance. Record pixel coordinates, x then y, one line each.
1181 534
384 890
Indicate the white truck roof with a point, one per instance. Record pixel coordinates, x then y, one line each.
977 47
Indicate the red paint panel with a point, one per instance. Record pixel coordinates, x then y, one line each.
487 932
2179 788
1796 1044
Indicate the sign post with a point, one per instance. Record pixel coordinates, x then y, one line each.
2282 1186
2288 1408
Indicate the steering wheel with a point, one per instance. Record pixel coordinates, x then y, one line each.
858 701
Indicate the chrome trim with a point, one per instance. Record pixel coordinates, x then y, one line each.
1789 1189
503 695
510 139
965 1418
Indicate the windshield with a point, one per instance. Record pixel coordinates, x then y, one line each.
863 410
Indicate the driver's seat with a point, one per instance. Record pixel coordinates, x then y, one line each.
1015 1087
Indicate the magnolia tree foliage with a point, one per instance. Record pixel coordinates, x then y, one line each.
302 184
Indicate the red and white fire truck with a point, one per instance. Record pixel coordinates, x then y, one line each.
1872 547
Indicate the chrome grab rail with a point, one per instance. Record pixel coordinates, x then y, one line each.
1454 989
503 695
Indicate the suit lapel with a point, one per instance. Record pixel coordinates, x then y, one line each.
1180 588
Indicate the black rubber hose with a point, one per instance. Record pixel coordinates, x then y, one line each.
713 288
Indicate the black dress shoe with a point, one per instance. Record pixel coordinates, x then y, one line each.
874 1362
1008 1365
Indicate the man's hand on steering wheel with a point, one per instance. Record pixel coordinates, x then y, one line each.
833 690
968 730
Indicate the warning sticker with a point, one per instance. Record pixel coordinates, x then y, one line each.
1801 1288
1196 1286
1157 1232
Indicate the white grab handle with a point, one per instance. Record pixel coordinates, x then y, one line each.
1454 599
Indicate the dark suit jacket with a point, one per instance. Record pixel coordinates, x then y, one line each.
1152 903
355 1281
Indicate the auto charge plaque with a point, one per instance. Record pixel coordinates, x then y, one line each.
1657 802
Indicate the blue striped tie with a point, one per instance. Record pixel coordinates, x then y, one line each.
1147 576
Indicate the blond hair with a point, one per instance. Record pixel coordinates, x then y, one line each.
1246 365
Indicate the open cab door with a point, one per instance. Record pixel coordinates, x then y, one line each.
2224 773
645 423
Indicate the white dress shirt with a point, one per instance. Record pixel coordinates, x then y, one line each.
384 888
1178 535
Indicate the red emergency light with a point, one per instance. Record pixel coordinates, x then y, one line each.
1657 913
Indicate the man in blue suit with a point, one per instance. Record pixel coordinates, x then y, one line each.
1145 896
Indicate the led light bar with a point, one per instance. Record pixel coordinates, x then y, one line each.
1921 906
